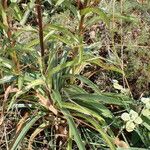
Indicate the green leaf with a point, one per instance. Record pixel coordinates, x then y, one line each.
7 79
14 1
100 12
89 83
146 125
60 38
128 18
102 62
6 63
67 36
132 148
61 66
83 110
96 125
75 133
16 10
59 2
73 89
146 122
101 98
24 90
96 106
20 82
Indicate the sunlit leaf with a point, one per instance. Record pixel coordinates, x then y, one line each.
7 79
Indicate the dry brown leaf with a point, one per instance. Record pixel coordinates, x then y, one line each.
8 91
46 103
1 119
21 122
142 1
120 143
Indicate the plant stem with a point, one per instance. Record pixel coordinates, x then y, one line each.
40 24
7 21
81 23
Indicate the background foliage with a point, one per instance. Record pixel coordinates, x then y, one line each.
72 72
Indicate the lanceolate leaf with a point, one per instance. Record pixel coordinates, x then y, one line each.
83 110
67 35
75 133
24 90
89 83
6 62
101 98
98 11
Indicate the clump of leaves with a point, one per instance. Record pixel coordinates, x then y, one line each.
42 86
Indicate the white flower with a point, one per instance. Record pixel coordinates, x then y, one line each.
130 126
125 117
146 112
148 105
138 120
146 109
92 35
133 114
114 81
117 86
132 119
145 100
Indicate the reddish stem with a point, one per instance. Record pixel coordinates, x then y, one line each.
40 24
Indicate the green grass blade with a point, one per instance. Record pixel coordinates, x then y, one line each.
24 130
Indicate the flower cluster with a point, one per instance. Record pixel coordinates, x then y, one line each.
132 119
119 87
